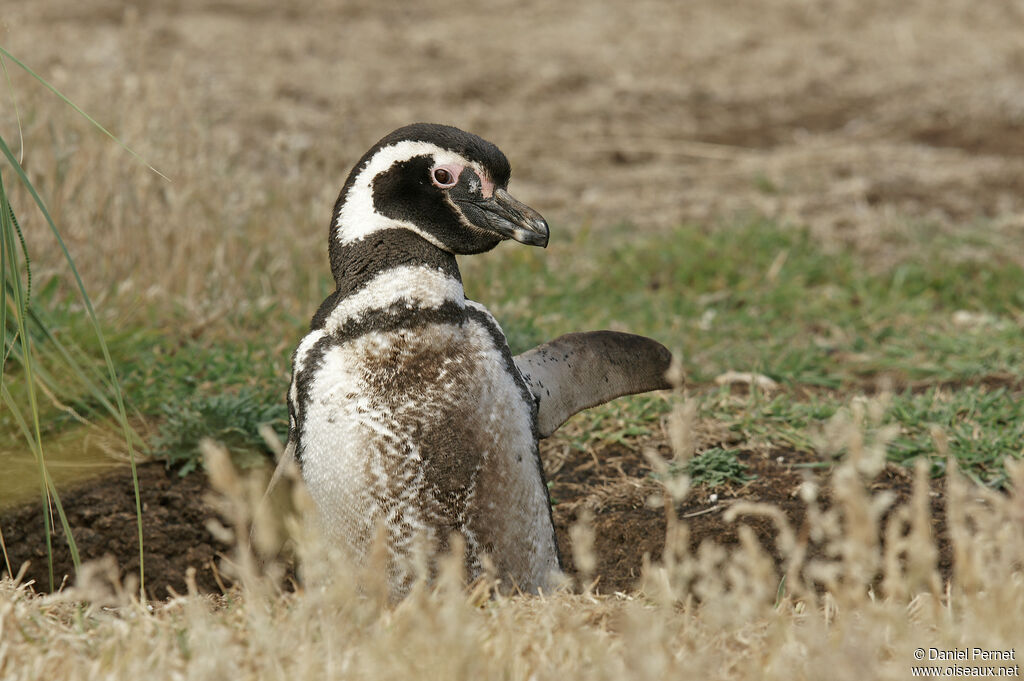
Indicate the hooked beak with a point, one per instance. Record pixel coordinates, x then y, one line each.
509 218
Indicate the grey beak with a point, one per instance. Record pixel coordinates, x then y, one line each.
508 217
528 226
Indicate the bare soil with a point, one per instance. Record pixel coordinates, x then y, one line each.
102 516
615 483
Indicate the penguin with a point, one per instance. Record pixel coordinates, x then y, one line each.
409 418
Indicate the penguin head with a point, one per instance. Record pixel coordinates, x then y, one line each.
446 185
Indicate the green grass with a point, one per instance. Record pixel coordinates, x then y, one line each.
621 421
232 418
183 389
716 467
762 296
755 296
983 427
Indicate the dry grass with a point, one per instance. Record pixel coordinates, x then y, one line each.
850 117
723 612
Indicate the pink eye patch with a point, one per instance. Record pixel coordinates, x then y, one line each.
447 175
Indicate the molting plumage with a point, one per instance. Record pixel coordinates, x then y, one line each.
407 410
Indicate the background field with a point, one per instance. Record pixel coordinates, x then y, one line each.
828 194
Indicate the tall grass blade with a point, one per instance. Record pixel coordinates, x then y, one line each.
14 102
50 489
19 305
87 117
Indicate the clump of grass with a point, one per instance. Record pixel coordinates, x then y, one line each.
193 389
716 467
232 419
18 341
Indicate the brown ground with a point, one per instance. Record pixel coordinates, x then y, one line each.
102 516
613 482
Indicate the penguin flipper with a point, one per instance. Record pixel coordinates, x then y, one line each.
581 370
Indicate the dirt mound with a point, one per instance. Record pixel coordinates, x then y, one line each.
101 514
616 485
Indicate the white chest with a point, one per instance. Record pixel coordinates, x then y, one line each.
426 431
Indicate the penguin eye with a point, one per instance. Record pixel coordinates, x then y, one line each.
443 177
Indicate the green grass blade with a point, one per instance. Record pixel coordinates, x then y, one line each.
51 489
33 436
89 118
14 102
4 218
95 384
48 491
4 228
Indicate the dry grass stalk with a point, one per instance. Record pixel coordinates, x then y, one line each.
718 612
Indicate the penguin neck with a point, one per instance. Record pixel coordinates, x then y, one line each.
386 269
357 263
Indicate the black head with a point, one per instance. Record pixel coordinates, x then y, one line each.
446 185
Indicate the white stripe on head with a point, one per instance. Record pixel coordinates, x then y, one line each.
358 218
